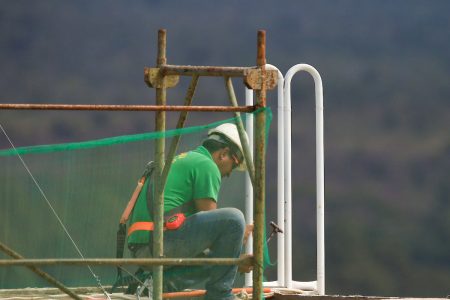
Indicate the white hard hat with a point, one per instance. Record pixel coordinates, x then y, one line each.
230 132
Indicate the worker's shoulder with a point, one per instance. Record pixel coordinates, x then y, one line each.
198 154
200 159
195 158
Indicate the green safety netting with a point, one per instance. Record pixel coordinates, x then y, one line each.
88 184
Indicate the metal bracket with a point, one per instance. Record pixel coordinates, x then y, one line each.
154 79
252 79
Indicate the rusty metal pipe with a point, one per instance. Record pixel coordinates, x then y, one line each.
127 261
205 70
158 201
98 107
50 279
261 50
260 165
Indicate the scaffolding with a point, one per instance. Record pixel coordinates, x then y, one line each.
162 77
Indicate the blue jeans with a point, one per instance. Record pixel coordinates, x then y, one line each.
221 231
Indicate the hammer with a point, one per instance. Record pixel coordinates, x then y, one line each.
275 229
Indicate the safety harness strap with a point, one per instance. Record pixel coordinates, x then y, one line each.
147 226
129 208
122 231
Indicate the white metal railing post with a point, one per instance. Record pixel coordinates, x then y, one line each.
280 182
287 183
319 286
248 183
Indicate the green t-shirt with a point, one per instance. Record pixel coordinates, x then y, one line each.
193 175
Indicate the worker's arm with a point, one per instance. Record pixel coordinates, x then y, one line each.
205 204
248 231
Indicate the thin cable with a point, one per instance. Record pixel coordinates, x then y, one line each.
97 278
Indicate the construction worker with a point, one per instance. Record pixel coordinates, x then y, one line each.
202 229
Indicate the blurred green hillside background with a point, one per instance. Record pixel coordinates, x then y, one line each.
386 70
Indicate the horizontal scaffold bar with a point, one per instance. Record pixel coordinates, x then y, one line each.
205 70
127 261
12 106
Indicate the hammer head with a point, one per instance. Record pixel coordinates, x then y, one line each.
275 227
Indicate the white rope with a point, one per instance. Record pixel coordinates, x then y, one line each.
97 278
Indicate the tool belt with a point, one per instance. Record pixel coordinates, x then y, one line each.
172 223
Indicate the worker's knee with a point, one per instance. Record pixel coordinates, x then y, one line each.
234 216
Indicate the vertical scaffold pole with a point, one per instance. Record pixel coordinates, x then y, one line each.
158 205
260 171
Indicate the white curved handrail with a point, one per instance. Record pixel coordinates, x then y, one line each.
319 178
284 192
